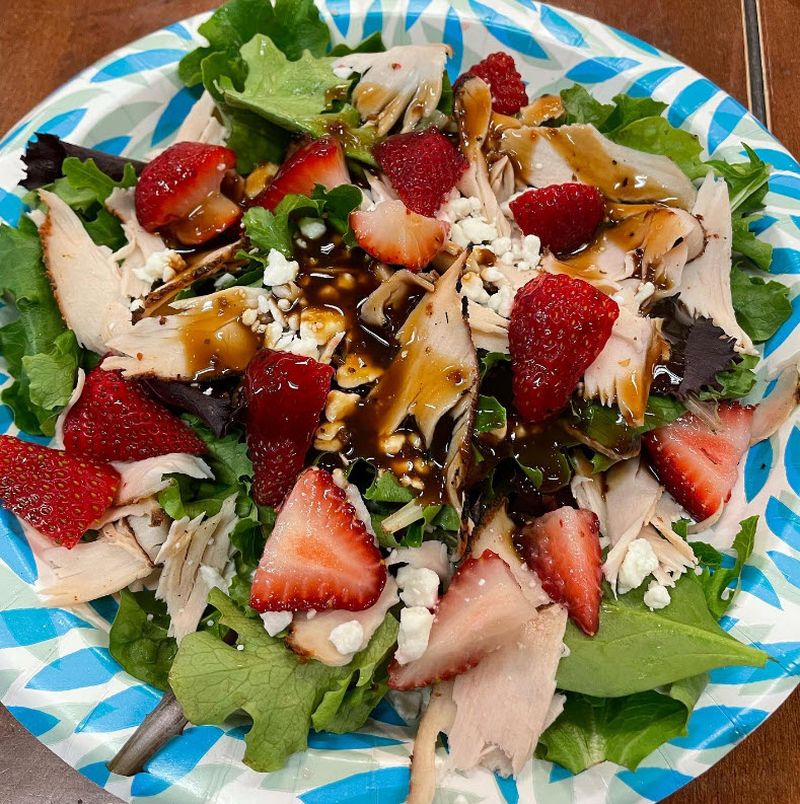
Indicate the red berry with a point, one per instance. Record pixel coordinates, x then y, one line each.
558 326
317 162
422 166
285 396
499 71
563 547
60 495
181 188
319 554
563 216
698 463
115 420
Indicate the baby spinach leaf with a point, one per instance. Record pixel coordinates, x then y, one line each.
387 489
622 730
581 107
138 638
637 649
283 693
761 307
490 415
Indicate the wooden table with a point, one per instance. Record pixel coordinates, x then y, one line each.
749 48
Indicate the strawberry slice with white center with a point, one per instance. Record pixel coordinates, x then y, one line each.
392 233
481 610
115 420
563 548
317 162
698 464
180 189
319 554
60 495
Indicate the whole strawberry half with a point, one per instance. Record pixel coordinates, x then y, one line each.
500 72
60 495
558 326
285 396
319 554
563 216
317 162
392 233
115 420
698 464
563 548
482 609
422 166
180 188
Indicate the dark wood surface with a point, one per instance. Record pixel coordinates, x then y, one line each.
44 44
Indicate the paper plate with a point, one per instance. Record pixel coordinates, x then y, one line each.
56 675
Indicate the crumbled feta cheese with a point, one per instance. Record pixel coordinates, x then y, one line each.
500 245
419 586
311 228
531 249
279 270
276 621
347 637
412 638
136 304
160 265
656 596
502 301
459 208
477 230
640 560
472 288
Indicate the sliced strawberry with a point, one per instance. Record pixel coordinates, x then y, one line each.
181 186
115 420
698 464
392 233
481 610
422 166
319 554
500 72
285 396
58 494
563 548
563 216
317 162
558 327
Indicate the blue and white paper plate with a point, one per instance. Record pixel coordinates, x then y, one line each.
56 674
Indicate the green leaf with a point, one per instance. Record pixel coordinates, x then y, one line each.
581 107
636 649
237 22
138 638
622 730
533 473
372 44
52 374
761 307
298 27
227 456
748 182
386 488
280 691
745 242
491 359
490 414
735 382
716 581
628 109
338 203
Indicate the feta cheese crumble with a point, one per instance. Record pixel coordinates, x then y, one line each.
311 228
639 562
656 596
347 637
276 621
279 270
412 638
160 265
419 586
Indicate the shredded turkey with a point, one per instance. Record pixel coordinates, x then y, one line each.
705 288
546 155
140 479
402 81
163 346
85 279
194 557
311 636
587 489
489 329
773 411
201 124
391 293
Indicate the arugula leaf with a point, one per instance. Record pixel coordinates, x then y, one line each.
715 583
41 353
637 649
746 243
622 730
761 307
735 382
747 182
226 456
279 690
490 415
138 638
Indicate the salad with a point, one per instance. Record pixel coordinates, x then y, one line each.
377 386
